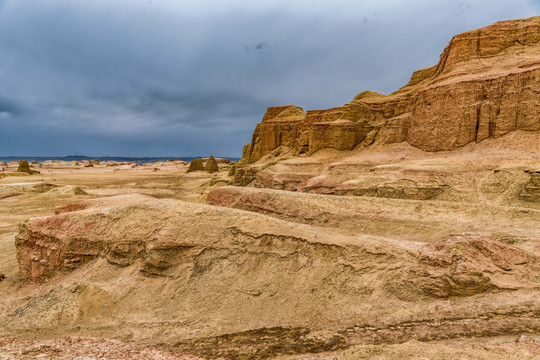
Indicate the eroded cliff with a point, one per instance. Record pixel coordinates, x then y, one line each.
486 84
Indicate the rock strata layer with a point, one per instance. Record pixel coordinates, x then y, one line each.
167 271
485 85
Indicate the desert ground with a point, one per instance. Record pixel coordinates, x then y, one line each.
324 276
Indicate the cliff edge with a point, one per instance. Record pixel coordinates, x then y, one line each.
486 84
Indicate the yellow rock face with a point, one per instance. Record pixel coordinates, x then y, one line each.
485 85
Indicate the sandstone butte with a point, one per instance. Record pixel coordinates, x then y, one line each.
486 84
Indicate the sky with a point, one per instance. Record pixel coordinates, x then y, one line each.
193 78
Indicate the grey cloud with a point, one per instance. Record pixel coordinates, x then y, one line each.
10 106
259 46
173 77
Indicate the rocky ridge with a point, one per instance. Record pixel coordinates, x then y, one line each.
485 85
169 255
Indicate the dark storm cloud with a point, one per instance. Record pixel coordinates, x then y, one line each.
9 106
194 77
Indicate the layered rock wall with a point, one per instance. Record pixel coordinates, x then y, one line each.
486 84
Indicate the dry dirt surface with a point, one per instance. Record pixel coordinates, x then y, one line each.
189 277
80 348
524 348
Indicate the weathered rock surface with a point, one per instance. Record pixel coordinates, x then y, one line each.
463 266
409 220
79 348
76 235
485 85
23 166
522 348
193 275
196 165
211 165
531 191
497 171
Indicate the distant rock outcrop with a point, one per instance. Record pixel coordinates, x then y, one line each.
196 165
24 167
211 165
485 85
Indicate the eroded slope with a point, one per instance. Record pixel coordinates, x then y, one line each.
200 278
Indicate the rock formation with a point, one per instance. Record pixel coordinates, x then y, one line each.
151 264
522 348
23 166
211 165
196 165
485 85
218 160
531 191
384 217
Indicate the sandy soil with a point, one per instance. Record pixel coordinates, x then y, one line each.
79 348
98 310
